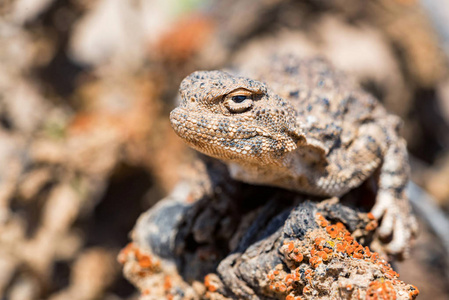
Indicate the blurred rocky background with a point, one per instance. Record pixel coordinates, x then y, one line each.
85 142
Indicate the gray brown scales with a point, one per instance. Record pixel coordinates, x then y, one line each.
303 126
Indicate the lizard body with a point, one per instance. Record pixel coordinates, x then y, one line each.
299 125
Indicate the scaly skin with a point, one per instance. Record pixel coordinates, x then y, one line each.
302 126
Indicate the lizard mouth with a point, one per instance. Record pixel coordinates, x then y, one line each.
198 127
227 139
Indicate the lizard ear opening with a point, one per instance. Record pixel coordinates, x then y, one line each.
297 134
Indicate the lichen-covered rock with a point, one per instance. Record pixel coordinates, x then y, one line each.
331 264
281 246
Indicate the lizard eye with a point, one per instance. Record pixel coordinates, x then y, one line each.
238 101
239 98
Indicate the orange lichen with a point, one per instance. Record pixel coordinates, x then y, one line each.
209 283
124 253
332 230
341 248
321 220
371 226
372 223
381 290
340 226
144 260
289 278
318 241
414 292
315 261
291 252
367 251
334 242
145 265
298 257
348 239
306 290
291 246
167 283
323 255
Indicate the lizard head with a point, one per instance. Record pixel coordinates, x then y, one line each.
235 118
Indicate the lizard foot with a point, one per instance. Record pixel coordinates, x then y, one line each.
397 220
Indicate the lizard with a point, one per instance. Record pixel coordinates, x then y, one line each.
301 125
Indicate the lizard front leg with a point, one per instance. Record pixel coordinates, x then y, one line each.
376 147
348 167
